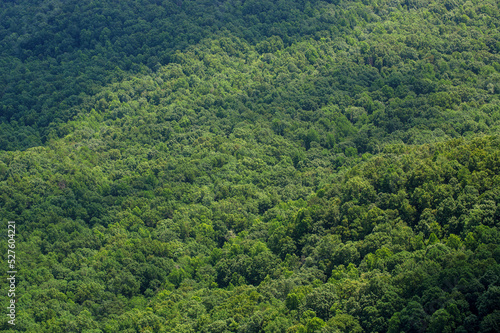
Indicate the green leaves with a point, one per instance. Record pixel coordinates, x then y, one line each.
210 172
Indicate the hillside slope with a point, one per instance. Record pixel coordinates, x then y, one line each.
325 167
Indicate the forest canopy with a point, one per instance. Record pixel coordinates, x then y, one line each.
251 166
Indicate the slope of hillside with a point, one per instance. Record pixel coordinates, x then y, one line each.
325 167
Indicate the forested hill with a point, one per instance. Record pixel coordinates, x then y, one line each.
55 54
251 166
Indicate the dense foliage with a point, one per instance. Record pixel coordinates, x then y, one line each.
252 166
